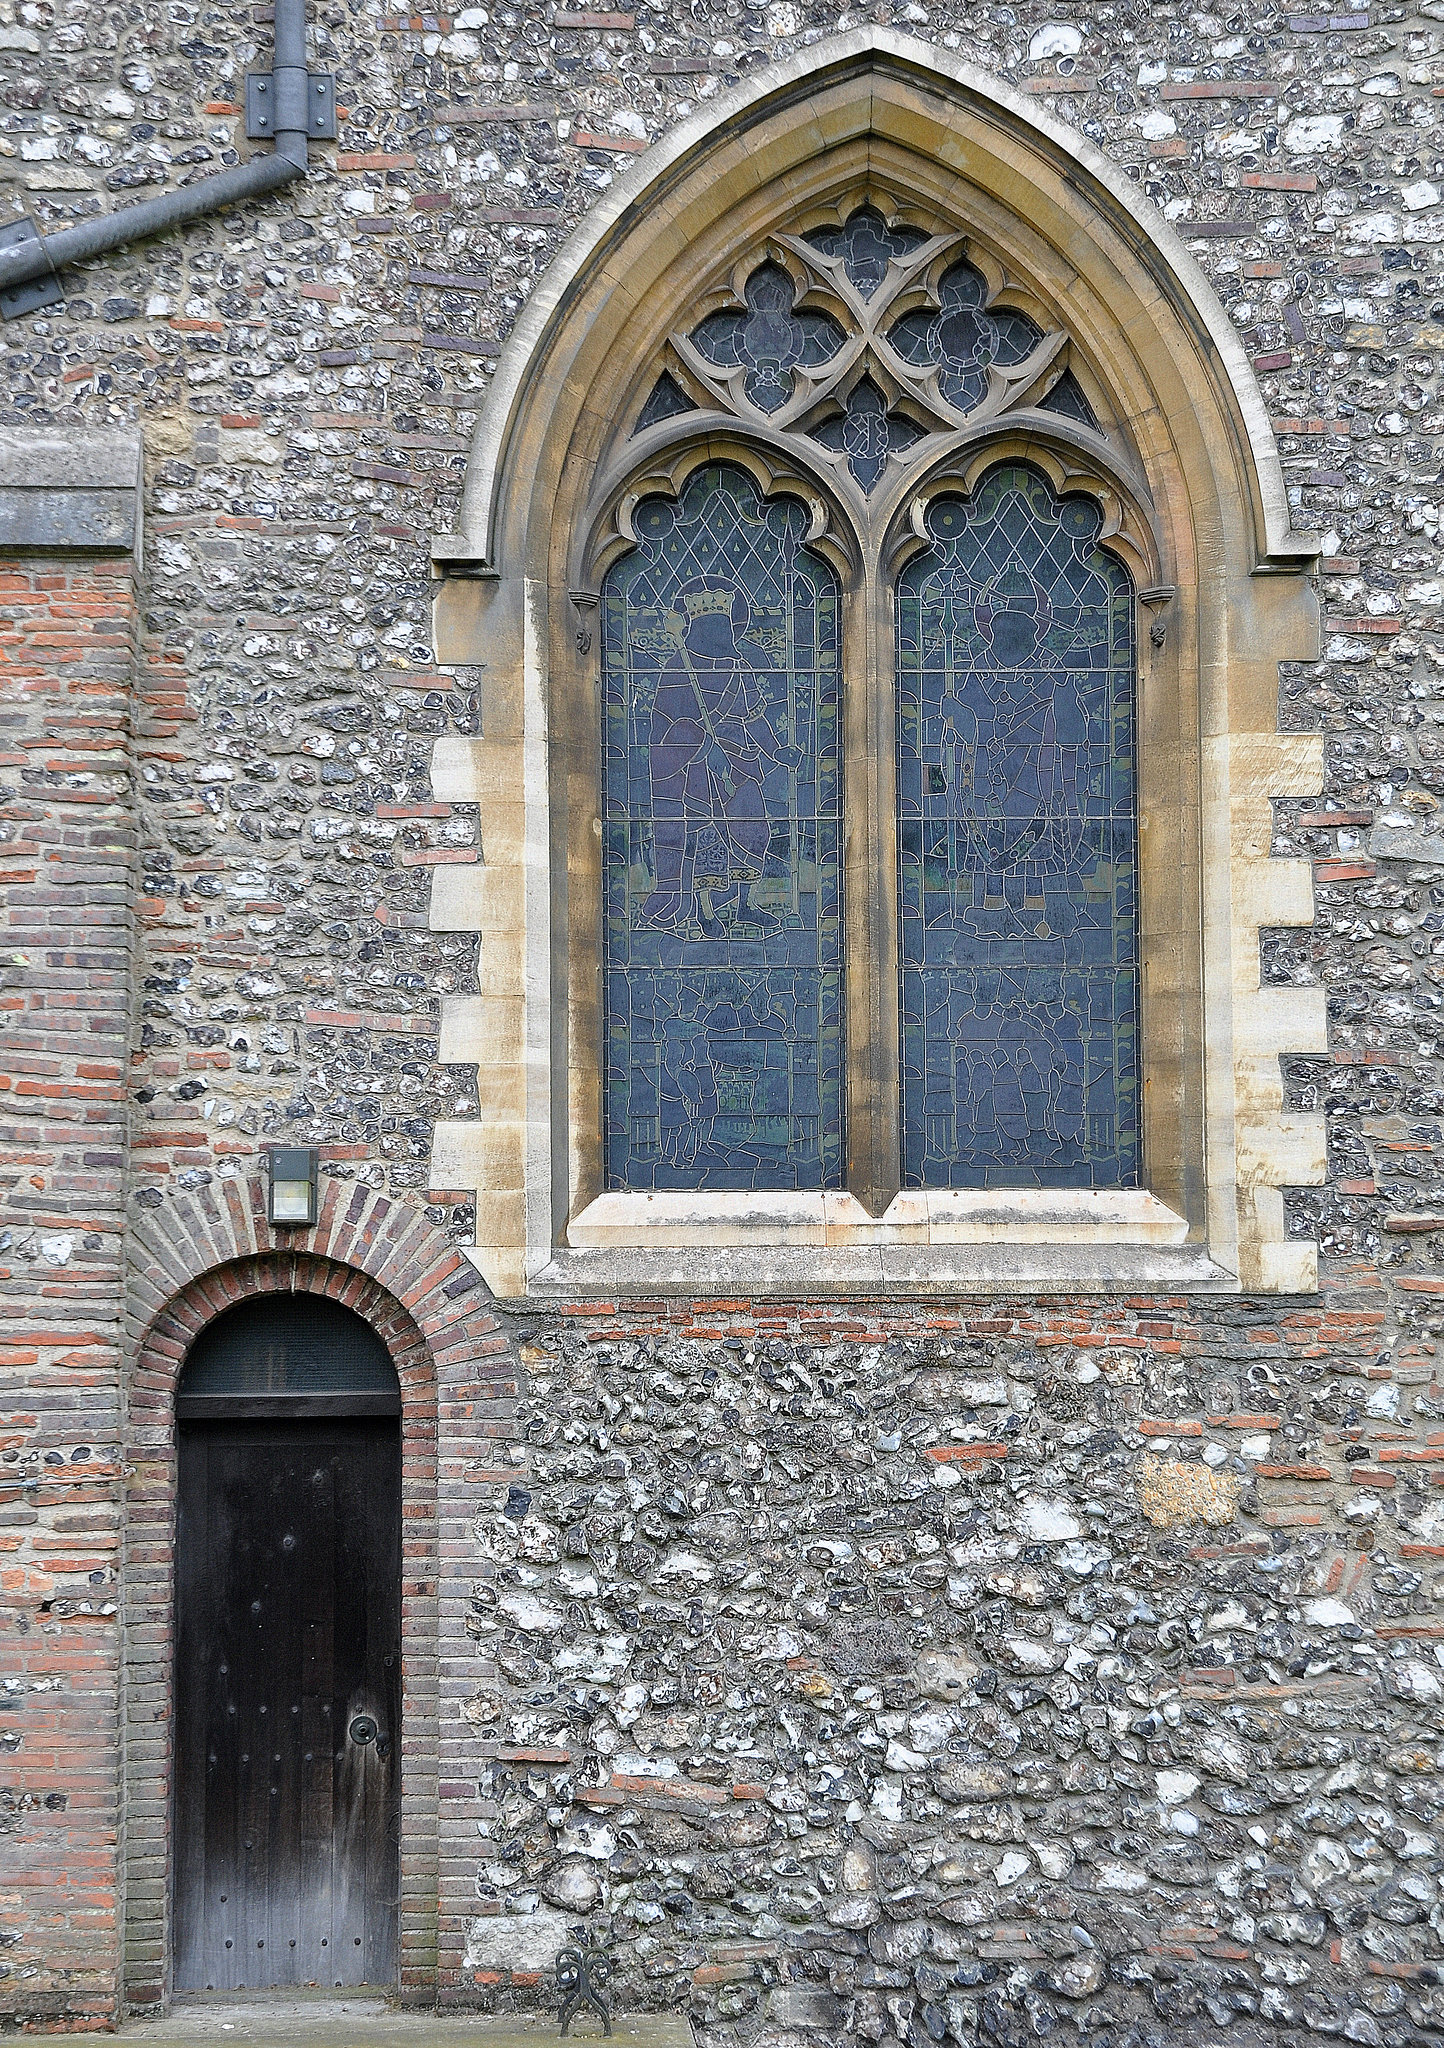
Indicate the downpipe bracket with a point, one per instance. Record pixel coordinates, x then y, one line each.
36 293
288 106
289 98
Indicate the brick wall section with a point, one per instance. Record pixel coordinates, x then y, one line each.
382 1258
66 647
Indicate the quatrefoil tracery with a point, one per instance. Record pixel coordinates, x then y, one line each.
867 338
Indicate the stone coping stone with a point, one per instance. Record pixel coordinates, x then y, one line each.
324 2022
69 492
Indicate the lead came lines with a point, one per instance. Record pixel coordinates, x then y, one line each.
1017 947
723 970
1017 847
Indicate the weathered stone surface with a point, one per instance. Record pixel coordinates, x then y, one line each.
516 1941
1173 1494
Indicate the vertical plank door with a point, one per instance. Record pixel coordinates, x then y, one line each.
288 1656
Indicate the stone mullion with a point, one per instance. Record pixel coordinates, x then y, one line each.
870 891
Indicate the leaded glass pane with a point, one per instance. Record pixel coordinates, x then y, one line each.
867 433
867 245
1068 398
1017 846
666 400
961 338
721 842
769 340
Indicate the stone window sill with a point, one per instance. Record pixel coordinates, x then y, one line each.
924 1243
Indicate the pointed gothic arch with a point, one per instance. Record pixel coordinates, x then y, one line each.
607 393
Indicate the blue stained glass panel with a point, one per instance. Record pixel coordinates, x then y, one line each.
721 836
867 433
1017 846
769 340
867 245
962 338
1069 398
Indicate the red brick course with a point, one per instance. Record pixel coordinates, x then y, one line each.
86 1490
66 648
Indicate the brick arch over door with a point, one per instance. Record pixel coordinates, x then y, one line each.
193 1259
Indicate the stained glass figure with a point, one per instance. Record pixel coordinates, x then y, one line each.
963 337
1017 846
721 847
867 245
867 432
769 339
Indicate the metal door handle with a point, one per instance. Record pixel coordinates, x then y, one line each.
363 1729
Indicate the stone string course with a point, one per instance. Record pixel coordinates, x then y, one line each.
1068 1671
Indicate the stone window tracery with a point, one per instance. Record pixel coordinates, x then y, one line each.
876 287
872 338
871 345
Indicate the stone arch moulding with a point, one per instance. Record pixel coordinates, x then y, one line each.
1183 462
203 1254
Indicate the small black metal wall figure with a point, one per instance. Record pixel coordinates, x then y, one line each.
583 1972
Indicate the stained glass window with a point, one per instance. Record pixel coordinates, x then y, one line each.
961 338
665 401
721 843
1068 398
866 432
863 343
769 340
1017 846
867 245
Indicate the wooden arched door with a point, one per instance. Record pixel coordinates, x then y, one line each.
288 1651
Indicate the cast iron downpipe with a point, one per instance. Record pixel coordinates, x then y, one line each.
46 254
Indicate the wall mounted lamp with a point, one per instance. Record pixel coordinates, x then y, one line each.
291 1197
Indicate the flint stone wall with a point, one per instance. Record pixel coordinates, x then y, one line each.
993 1677
1188 1596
